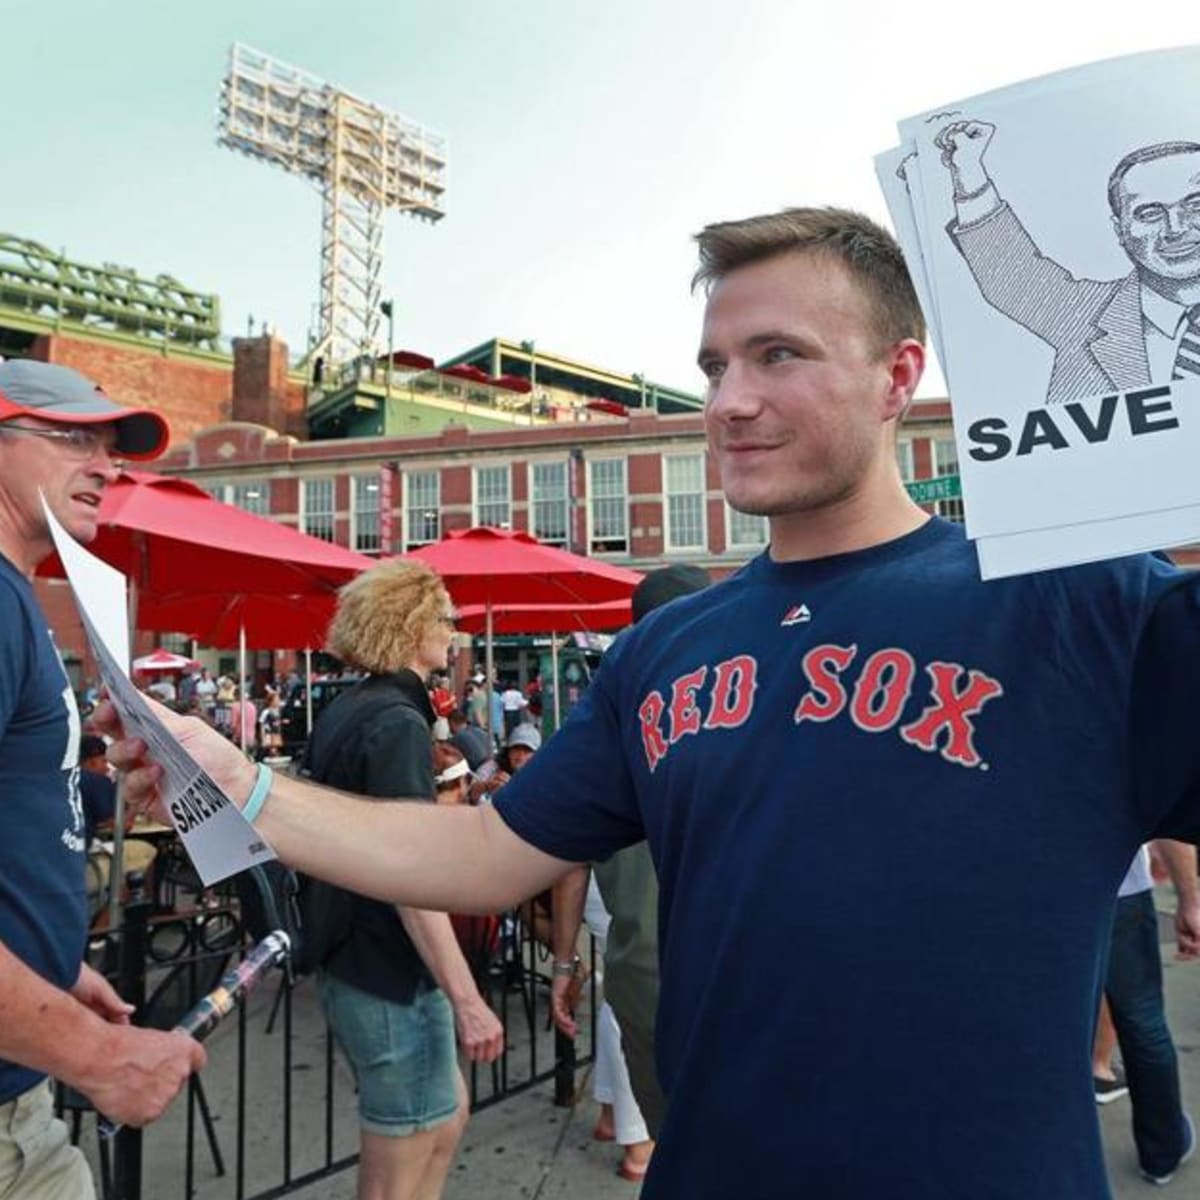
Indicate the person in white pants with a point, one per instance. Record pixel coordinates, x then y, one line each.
620 1118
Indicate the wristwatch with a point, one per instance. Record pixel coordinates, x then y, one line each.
567 967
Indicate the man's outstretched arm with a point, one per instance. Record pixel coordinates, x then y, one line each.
417 854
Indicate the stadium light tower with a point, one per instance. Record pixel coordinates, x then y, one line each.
366 161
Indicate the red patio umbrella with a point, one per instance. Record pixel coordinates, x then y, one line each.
266 622
547 618
491 567
164 660
256 622
175 542
496 567
171 538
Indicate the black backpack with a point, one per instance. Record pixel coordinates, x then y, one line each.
314 914
317 916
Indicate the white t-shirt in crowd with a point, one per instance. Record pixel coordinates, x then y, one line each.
1138 877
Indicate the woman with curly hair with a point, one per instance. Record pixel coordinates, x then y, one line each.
397 988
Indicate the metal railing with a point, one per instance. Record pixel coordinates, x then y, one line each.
273 1073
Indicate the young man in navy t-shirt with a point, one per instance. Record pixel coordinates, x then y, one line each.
889 805
59 435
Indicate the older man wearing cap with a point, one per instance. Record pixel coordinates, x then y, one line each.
60 437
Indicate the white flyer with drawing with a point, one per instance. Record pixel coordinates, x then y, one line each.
218 839
1053 232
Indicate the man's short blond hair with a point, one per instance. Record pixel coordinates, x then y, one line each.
868 253
385 614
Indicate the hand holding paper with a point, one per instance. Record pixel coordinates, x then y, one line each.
144 779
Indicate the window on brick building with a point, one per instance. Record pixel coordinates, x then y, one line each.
904 460
747 531
608 506
316 512
493 497
422 508
253 495
364 514
945 462
549 496
684 493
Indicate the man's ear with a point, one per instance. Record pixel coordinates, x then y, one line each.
906 365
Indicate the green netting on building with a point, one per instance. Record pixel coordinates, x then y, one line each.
39 283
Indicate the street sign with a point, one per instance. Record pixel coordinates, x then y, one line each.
927 491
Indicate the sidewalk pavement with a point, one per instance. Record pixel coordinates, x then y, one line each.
521 1148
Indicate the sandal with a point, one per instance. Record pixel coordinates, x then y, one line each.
633 1172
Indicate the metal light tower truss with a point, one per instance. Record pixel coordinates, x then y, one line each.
366 161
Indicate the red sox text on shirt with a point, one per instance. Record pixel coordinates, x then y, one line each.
882 688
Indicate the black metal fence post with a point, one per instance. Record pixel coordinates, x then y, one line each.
131 984
564 1069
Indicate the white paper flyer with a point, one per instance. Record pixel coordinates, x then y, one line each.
218 839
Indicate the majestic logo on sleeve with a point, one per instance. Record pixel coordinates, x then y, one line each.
874 700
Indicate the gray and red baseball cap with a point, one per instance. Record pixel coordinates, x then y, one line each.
53 393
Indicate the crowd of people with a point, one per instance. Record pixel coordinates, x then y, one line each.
250 715
888 808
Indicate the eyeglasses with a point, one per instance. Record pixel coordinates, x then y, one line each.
449 620
79 442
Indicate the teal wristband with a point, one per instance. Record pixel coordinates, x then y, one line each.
258 797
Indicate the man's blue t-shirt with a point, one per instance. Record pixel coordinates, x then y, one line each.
890 807
43 903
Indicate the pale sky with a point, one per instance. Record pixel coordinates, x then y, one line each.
587 143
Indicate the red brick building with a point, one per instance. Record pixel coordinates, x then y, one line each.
640 492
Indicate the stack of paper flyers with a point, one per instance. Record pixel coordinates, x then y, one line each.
1052 230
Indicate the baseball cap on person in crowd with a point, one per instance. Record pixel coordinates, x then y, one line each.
59 394
667 584
525 735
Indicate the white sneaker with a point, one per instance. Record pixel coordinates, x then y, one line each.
1189 1150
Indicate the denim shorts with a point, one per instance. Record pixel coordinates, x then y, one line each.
403 1056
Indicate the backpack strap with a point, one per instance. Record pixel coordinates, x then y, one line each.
354 709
